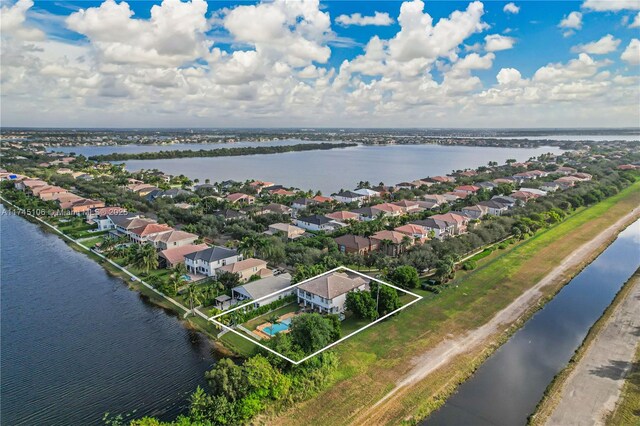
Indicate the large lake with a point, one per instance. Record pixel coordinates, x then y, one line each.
327 171
507 387
77 342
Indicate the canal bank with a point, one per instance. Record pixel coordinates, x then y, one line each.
508 385
76 343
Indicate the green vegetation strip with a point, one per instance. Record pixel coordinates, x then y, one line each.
627 411
553 392
374 360
220 152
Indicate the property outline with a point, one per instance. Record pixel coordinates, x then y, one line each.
342 339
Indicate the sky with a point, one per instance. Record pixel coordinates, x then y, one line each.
432 64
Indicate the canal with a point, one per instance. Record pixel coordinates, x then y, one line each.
507 387
77 343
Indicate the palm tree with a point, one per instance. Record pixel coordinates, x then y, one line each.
250 245
145 258
180 269
175 281
273 319
192 296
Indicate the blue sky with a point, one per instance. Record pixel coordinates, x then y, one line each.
562 63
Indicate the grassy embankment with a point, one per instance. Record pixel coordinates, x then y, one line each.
627 411
374 360
553 393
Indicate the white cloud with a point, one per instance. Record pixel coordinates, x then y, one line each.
508 76
636 21
606 44
632 53
378 19
496 42
12 20
511 8
572 21
172 36
611 5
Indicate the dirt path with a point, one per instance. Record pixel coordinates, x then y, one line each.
593 387
431 360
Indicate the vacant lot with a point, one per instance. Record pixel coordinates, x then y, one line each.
372 362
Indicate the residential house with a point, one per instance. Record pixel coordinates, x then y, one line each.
435 198
392 243
47 193
387 209
342 216
248 268
148 232
458 221
418 233
534 191
86 205
172 239
229 214
364 214
175 192
328 293
321 199
524 196
566 170
262 291
510 202
437 228
350 243
494 207
487 185
453 197
440 179
239 197
123 224
282 192
303 203
315 223
550 186
475 212
467 189
290 231
275 208
409 207
427 205
406 185
208 261
169 258
100 216
348 197
142 189
368 193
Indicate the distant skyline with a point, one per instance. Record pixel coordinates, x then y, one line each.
413 64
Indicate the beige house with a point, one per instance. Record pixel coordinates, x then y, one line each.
291 231
248 268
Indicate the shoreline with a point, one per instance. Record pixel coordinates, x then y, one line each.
555 392
493 334
145 290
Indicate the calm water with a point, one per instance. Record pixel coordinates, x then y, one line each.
329 171
77 343
508 386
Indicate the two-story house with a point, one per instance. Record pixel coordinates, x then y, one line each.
328 293
208 261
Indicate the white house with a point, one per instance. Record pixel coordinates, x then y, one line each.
328 293
348 197
316 223
260 288
209 260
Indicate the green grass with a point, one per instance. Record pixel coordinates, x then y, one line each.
373 360
627 411
239 345
92 242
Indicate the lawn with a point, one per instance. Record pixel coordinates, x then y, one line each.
372 361
92 241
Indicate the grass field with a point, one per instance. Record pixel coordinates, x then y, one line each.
372 361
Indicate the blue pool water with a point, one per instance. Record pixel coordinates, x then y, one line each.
277 328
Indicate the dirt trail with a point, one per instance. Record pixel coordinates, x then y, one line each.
431 360
593 387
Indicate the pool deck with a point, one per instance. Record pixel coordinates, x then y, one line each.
259 330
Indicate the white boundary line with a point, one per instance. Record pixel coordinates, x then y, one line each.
342 339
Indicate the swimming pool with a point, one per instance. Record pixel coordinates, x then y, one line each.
274 329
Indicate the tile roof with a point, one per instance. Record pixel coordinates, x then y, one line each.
245 264
266 286
177 254
332 285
